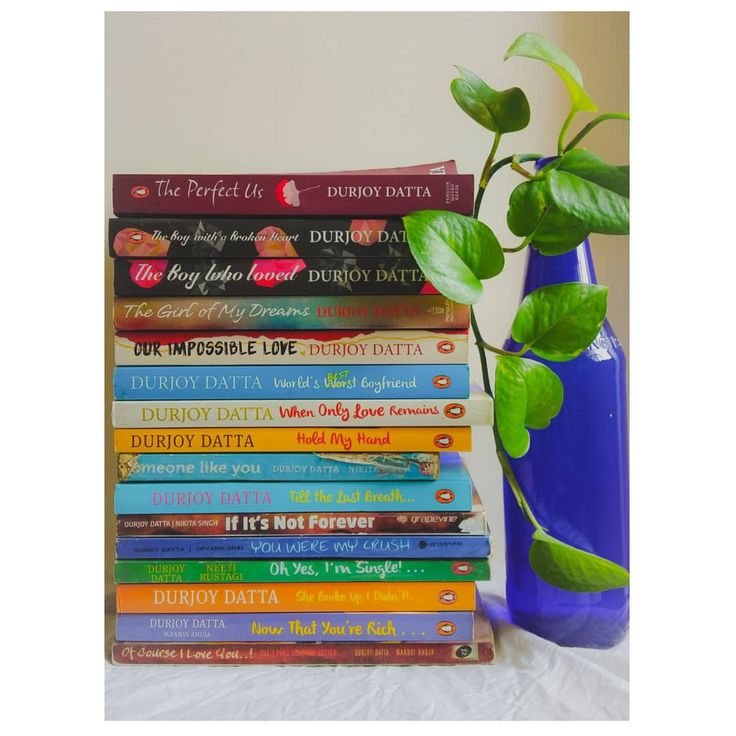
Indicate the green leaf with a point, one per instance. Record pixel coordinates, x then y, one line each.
573 569
502 112
559 322
528 394
534 46
600 209
558 233
588 166
454 252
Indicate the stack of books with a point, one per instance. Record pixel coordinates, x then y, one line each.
290 398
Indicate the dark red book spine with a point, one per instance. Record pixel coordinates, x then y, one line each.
290 194
356 653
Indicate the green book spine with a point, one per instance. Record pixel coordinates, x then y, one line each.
262 571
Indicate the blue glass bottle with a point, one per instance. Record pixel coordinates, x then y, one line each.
576 479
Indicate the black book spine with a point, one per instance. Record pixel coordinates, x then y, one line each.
192 237
269 277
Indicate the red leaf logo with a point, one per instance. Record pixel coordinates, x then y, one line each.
448 597
139 192
445 495
462 568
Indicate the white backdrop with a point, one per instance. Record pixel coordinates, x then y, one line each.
261 92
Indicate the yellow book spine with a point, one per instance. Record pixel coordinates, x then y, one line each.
295 597
295 439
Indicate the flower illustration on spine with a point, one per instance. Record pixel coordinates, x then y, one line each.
278 261
366 232
288 194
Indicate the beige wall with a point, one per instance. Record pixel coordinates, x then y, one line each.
260 92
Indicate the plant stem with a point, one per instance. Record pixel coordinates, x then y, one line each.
503 459
519 169
481 352
518 157
565 126
521 246
592 124
489 169
502 351
528 239
485 175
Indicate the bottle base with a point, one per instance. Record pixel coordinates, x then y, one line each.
571 631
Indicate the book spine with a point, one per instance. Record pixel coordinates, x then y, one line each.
356 546
284 653
296 313
453 490
295 439
278 237
300 571
476 410
265 195
295 597
278 466
242 525
161 382
295 627
268 277
276 348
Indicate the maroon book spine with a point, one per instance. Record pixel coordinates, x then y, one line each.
290 194
353 653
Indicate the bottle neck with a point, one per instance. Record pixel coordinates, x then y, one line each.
575 265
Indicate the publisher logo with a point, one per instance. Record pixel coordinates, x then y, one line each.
462 568
445 628
445 347
136 237
454 411
448 597
442 441
445 495
139 192
442 381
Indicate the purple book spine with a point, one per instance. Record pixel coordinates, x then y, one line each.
289 194
295 627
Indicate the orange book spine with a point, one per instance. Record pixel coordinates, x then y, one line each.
295 597
295 439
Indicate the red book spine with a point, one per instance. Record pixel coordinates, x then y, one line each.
355 653
289 194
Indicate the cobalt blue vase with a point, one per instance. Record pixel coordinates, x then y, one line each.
576 479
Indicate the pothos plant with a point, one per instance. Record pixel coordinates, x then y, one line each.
553 210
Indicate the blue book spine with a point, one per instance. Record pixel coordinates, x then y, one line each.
187 627
453 491
357 546
283 466
156 383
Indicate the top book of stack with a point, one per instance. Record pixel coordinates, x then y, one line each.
379 192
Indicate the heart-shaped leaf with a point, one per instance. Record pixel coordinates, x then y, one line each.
588 166
528 394
534 46
558 233
573 569
601 210
454 252
502 112
558 322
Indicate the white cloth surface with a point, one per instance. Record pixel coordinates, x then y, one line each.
531 679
